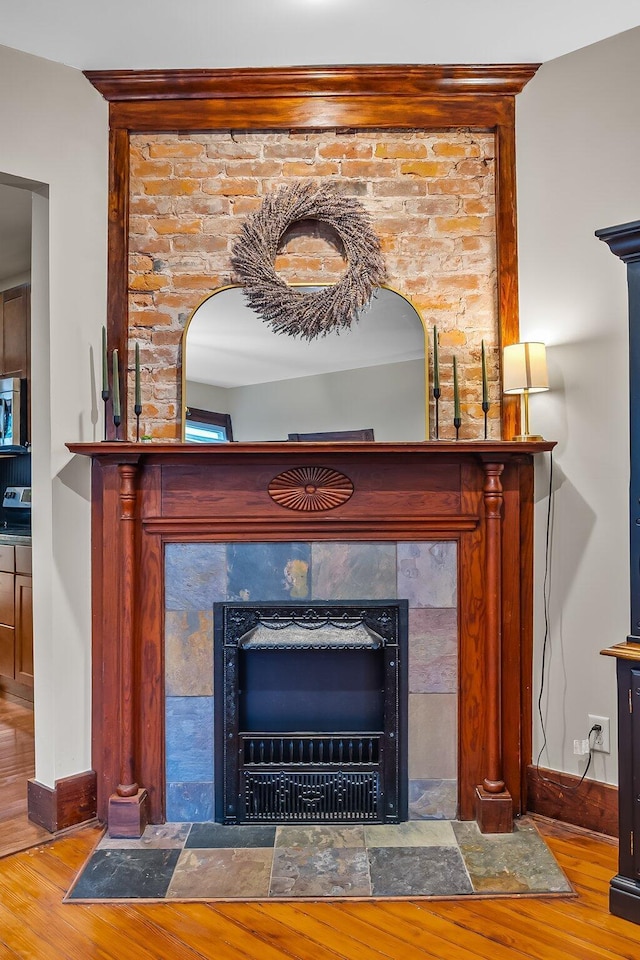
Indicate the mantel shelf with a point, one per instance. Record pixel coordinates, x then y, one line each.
127 451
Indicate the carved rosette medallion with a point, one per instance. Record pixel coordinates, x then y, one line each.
310 489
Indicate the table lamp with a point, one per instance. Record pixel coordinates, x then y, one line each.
524 370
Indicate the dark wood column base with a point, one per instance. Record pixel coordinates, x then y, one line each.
624 898
494 811
128 816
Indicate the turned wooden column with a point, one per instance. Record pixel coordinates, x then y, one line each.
128 805
494 807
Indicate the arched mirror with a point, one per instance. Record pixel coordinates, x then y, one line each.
270 385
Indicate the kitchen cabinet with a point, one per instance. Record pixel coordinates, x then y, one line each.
16 618
15 336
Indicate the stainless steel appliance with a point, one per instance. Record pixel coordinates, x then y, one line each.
12 416
17 506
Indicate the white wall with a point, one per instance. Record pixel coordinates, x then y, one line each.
389 397
578 143
55 131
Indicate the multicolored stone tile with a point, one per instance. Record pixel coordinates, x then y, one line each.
413 833
329 872
428 573
164 836
215 835
319 837
433 650
189 802
518 862
353 571
189 739
268 571
220 873
433 741
195 575
126 874
418 871
188 653
433 799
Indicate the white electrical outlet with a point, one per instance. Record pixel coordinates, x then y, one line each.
600 740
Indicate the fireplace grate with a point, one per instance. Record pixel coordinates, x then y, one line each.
267 750
311 717
311 797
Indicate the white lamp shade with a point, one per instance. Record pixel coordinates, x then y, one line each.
524 368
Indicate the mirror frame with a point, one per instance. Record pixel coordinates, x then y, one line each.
238 286
389 96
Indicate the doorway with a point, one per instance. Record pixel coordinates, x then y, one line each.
17 741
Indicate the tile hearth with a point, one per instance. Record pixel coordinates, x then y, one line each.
210 861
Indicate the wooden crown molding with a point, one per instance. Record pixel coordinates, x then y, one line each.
397 80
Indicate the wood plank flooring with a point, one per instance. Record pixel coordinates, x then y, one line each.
36 924
17 765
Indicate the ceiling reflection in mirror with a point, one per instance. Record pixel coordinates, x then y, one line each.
272 385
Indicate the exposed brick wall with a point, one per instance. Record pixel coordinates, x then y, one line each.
431 199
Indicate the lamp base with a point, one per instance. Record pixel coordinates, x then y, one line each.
528 438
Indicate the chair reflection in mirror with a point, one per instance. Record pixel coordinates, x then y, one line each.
366 434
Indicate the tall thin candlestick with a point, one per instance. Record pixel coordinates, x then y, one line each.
116 389
485 386
457 419
436 382
436 365
137 376
485 390
105 378
105 366
137 406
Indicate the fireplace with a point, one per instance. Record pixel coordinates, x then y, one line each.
466 505
311 714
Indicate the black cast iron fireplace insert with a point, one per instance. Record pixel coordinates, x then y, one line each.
311 711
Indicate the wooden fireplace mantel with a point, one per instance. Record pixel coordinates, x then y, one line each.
479 493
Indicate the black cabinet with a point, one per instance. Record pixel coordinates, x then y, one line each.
624 892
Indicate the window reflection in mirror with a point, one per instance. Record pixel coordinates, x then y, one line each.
272 385
207 426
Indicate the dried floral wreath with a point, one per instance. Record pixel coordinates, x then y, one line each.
288 309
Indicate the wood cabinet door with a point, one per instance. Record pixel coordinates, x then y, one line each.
15 330
7 651
24 631
7 603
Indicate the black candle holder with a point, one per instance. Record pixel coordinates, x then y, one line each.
436 396
137 410
117 420
457 421
105 397
485 410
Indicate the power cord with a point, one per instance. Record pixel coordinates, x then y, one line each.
596 728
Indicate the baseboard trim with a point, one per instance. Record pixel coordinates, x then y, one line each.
560 796
73 800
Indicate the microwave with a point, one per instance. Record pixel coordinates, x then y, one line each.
13 420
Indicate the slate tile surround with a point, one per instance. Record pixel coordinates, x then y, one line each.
208 861
198 574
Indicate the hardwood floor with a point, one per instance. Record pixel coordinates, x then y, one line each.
35 923
16 767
